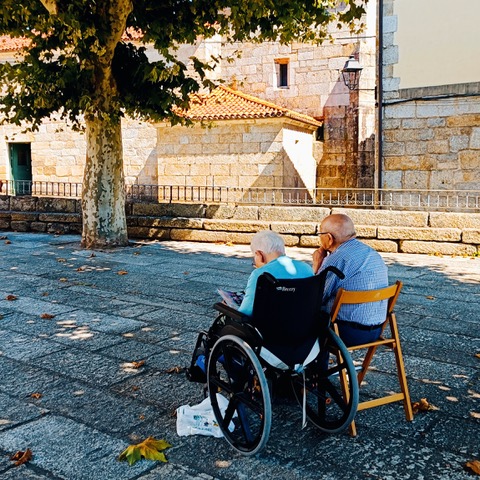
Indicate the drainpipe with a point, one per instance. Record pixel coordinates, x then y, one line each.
379 179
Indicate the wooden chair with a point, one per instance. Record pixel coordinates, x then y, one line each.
393 342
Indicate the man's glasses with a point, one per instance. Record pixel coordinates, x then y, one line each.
327 233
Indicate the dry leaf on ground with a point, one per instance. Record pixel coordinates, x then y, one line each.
7 242
47 316
422 406
474 466
61 260
138 364
150 449
430 297
477 355
176 369
21 457
10 298
36 395
122 272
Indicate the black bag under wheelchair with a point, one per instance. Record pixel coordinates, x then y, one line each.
288 337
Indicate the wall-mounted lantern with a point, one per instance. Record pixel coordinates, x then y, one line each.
351 73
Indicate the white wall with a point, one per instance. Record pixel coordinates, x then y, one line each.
439 42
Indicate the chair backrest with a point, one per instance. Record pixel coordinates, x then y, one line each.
287 312
367 296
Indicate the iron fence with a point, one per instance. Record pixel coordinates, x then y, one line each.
394 199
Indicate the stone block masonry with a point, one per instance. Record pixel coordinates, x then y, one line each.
384 230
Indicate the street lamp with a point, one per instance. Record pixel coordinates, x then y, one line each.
351 73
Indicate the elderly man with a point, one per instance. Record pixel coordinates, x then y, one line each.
364 269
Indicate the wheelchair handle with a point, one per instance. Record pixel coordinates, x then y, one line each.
334 270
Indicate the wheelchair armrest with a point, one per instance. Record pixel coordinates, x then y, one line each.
231 312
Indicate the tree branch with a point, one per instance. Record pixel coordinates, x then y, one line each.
51 6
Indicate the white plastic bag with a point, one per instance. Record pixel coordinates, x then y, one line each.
199 419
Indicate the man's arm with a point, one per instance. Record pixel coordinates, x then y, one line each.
318 258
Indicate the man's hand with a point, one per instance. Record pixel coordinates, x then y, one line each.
318 257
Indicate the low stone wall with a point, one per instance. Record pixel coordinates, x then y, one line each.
384 230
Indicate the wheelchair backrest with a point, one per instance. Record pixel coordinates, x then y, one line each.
289 311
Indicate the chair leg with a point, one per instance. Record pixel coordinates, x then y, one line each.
402 378
366 363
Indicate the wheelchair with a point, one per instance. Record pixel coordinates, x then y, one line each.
287 339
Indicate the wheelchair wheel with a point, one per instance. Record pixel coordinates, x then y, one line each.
235 372
328 406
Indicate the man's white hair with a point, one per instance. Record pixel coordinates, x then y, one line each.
268 242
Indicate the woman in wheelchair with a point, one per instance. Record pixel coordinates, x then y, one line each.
268 249
279 331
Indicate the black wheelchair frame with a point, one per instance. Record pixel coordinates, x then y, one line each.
306 351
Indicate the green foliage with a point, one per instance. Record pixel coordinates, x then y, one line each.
77 64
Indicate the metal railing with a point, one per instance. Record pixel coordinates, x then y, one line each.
394 199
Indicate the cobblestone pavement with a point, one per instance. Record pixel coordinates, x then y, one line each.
80 319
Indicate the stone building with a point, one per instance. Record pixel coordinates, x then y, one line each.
323 131
430 138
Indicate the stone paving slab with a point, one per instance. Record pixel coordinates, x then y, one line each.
94 402
91 455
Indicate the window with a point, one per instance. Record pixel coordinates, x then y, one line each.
281 69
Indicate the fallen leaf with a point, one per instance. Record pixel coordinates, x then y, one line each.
122 272
176 369
135 388
477 355
36 395
422 406
222 463
63 279
430 297
21 457
82 268
136 253
47 316
10 297
475 415
150 449
141 417
45 294
474 466
138 364
7 242
61 260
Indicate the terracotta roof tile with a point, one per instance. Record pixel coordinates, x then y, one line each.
10 44
224 103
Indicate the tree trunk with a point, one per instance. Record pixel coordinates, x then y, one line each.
103 194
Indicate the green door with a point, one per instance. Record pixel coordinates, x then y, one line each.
21 168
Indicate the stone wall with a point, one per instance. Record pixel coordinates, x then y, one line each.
433 144
384 230
431 135
58 153
273 152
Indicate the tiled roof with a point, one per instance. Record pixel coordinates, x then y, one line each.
10 44
224 103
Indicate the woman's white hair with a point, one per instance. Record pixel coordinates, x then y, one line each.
268 242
